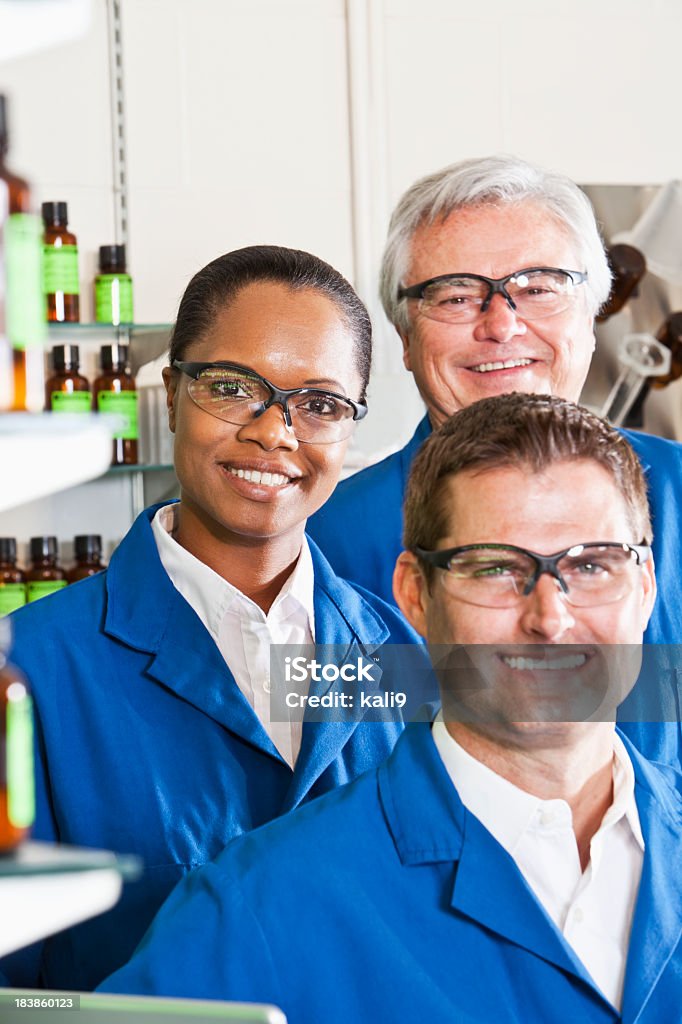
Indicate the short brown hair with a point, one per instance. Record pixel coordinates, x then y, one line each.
513 430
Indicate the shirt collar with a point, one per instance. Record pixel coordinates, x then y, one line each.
507 811
212 597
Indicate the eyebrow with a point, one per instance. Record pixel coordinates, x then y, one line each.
325 382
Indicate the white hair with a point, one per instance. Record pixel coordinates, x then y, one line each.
495 179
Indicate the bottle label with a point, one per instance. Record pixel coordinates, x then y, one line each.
124 405
60 269
113 299
36 589
12 596
19 748
25 302
71 401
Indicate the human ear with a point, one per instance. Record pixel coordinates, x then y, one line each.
405 338
649 590
411 591
170 380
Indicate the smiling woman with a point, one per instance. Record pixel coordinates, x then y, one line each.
252 475
152 680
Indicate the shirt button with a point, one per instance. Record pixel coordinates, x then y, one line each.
578 915
266 686
546 817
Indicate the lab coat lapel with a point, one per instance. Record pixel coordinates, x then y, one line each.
430 825
657 924
184 657
345 622
490 889
194 669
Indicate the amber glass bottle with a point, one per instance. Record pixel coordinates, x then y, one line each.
88 552
23 301
670 335
114 392
113 287
44 575
12 579
17 779
60 266
67 390
628 266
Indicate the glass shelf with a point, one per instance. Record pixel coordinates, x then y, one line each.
41 453
34 858
45 888
57 329
140 468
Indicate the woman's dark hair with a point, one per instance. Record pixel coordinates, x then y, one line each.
217 285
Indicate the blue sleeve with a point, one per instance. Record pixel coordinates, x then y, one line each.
359 529
662 462
205 943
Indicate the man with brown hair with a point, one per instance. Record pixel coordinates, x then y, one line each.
516 861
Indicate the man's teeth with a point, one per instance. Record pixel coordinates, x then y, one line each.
565 662
255 477
507 365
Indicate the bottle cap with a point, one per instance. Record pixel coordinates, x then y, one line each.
43 547
114 357
112 259
87 545
65 357
8 549
54 214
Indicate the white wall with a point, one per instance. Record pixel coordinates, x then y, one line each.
241 128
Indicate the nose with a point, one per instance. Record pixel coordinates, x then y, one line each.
498 322
545 612
269 430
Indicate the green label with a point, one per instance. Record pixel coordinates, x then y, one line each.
26 315
71 401
19 747
12 596
114 299
60 269
40 588
124 404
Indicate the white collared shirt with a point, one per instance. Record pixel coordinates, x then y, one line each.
242 631
592 909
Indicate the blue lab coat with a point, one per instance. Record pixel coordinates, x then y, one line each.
389 901
360 531
146 745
